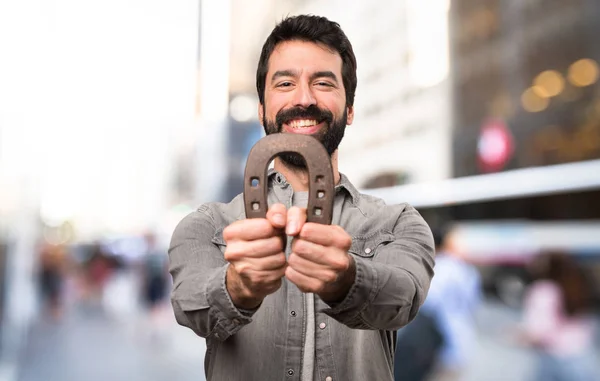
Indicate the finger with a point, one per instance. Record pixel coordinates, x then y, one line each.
268 263
237 250
326 235
332 258
309 250
257 271
311 269
296 217
273 275
277 215
303 282
264 282
272 282
249 229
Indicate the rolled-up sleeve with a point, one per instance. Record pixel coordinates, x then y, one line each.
390 287
199 297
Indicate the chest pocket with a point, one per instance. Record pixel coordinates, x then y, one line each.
367 247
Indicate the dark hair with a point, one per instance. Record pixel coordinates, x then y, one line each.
315 29
574 283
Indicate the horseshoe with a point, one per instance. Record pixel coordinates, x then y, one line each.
320 172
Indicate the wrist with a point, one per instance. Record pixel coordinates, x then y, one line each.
339 290
241 297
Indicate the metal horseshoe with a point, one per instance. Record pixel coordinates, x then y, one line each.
318 161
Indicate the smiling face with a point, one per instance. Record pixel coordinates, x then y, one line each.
304 94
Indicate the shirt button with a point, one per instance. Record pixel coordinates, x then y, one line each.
322 325
290 372
368 250
328 378
293 313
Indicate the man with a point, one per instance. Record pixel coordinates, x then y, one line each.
281 299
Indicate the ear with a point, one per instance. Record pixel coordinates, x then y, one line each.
350 115
261 112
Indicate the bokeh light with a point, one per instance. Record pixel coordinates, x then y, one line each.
532 101
583 72
549 83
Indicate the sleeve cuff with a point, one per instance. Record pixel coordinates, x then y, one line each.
230 319
360 295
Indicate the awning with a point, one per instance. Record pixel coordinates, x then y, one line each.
517 183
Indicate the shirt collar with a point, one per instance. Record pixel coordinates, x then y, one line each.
344 184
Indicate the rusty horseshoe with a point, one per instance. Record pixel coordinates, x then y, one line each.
318 161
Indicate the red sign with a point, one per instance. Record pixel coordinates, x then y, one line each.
495 146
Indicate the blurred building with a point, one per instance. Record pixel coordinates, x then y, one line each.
245 130
401 131
525 83
526 94
90 116
525 107
230 36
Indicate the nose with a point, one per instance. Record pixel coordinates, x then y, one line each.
304 96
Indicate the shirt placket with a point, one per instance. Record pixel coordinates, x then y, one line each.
295 332
325 362
295 304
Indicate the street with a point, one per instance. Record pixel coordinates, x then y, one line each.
91 344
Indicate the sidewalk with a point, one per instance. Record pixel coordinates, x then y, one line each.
94 345
91 345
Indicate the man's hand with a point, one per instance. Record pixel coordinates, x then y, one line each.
255 251
319 261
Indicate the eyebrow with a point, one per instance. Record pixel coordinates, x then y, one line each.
324 74
294 73
284 73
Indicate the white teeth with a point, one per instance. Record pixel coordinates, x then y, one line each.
302 123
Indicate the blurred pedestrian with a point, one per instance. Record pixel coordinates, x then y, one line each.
440 342
558 322
51 276
97 272
155 274
155 284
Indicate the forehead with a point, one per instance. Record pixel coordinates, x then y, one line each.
305 57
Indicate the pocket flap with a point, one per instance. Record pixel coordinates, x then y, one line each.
367 246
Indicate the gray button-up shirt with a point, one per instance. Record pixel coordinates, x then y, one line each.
355 339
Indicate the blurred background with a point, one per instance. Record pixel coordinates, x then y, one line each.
117 118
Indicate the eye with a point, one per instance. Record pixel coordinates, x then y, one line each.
284 84
323 83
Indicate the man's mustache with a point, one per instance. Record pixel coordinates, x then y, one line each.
310 112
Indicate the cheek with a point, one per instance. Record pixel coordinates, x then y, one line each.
339 112
272 106
335 105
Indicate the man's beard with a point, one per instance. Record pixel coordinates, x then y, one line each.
330 135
